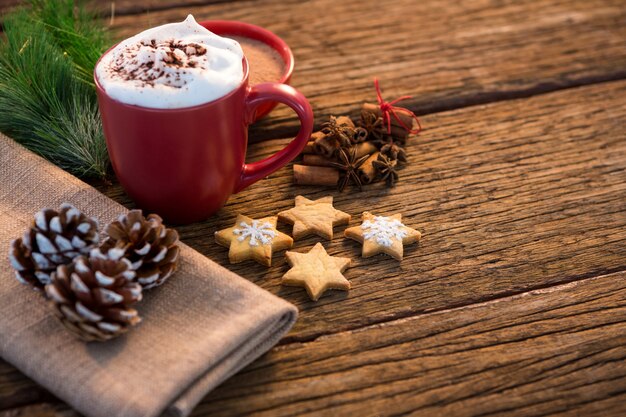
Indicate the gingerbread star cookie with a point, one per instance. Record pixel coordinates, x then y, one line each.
380 234
253 239
316 271
314 217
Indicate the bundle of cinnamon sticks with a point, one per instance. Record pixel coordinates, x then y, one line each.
364 152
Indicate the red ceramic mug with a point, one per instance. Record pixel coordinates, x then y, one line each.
184 163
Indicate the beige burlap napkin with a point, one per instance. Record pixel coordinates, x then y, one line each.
199 328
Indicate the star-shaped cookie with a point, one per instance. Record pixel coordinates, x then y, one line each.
316 271
314 217
380 234
253 239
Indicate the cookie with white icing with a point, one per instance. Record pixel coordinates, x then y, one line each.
380 234
253 239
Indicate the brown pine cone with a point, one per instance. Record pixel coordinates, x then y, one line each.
92 296
151 248
54 238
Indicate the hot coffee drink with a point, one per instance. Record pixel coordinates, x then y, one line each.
175 105
264 62
172 66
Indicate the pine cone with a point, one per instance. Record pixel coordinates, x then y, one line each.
54 238
92 296
150 247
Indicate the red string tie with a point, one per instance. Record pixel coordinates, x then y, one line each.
388 110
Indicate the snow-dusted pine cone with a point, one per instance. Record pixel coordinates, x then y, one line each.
54 238
93 296
151 248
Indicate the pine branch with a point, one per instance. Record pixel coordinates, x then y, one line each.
75 31
47 98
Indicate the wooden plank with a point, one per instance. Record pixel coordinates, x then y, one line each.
16 390
447 57
129 7
6 4
41 410
506 203
125 7
509 197
556 351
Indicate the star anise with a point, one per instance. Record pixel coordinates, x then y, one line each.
382 140
340 129
393 152
386 168
373 124
349 164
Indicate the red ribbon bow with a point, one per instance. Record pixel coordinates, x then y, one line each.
388 110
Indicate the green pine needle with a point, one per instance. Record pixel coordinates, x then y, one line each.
47 96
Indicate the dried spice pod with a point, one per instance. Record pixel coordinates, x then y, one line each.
151 247
394 152
386 169
92 296
373 124
341 129
349 163
54 238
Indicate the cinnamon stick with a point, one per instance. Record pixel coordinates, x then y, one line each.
367 172
365 148
316 160
325 145
397 130
312 175
309 148
362 149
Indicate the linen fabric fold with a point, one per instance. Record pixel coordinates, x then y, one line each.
202 326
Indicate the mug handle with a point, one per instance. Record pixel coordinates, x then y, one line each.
288 95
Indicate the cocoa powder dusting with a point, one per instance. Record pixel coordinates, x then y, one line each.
177 55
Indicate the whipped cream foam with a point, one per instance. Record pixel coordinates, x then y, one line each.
172 66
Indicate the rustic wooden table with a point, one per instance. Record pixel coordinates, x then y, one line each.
514 302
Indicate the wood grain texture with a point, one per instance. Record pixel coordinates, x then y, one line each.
507 203
6 5
125 7
130 7
41 410
17 390
561 350
557 351
509 197
447 55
